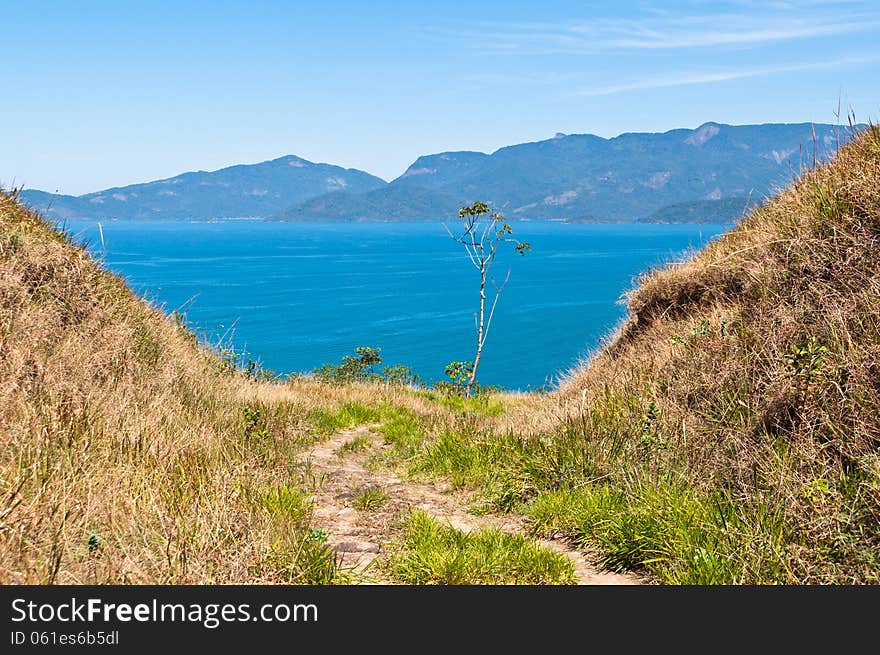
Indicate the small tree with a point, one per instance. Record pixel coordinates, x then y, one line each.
484 232
362 368
351 368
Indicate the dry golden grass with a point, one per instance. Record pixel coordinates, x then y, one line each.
729 433
762 357
125 455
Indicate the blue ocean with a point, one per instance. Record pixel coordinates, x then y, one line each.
294 296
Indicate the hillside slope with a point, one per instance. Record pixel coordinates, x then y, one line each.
128 454
243 191
398 203
734 420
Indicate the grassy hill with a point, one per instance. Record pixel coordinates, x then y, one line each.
128 453
728 432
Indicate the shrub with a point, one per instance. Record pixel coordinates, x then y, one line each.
361 367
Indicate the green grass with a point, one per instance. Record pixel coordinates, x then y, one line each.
300 558
400 427
369 499
465 457
482 403
359 443
298 554
599 483
433 553
403 430
285 500
509 468
670 532
512 468
348 415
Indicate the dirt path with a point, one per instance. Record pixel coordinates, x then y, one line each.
338 474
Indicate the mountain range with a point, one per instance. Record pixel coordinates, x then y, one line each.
256 190
713 172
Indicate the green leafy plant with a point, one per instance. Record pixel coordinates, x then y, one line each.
367 358
94 543
816 489
702 330
459 373
352 368
361 367
651 436
256 371
401 375
254 425
318 535
806 361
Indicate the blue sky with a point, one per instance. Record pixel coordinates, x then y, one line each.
96 94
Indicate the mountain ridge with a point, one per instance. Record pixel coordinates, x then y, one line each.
632 177
236 191
635 176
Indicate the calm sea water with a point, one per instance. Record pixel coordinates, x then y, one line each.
298 295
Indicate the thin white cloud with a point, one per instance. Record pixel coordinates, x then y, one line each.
693 38
797 5
692 78
667 31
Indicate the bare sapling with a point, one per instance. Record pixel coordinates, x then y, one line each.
484 232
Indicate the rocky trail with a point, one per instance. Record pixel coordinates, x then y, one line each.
338 471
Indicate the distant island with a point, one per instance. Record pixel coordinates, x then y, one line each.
714 173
